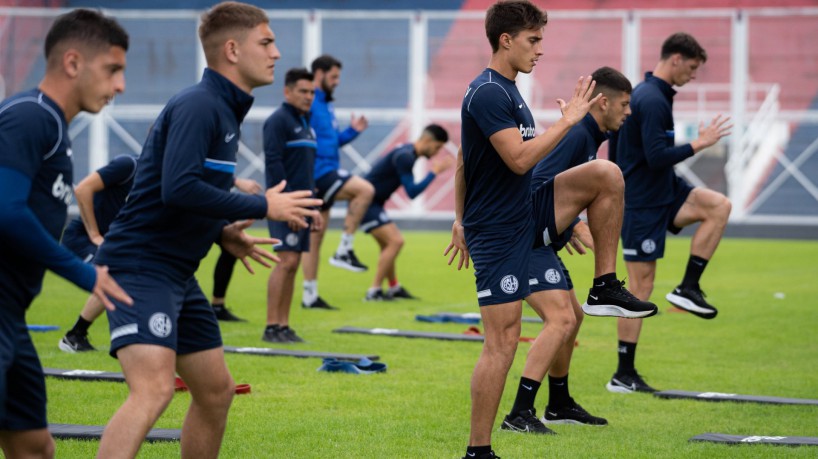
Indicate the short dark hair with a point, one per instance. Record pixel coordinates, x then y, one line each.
88 27
228 18
512 17
325 63
294 75
610 80
436 132
684 44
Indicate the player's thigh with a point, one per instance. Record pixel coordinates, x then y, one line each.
148 368
27 443
699 205
577 187
552 305
387 234
205 372
354 187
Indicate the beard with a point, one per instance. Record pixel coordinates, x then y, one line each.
327 90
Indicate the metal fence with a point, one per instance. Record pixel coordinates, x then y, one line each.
404 69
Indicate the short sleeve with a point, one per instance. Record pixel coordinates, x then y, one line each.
28 132
404 162
491 107
118 171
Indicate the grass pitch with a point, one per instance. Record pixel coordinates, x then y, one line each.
763 342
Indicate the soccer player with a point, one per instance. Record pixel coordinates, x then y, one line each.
549 276
498 219
333 183
387 175
179 206
657 200
85 69
289 153
99 196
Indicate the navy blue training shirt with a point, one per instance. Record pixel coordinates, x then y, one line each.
289 149
36 175
644 148
579 146
395 169
181 196
496 198
117 177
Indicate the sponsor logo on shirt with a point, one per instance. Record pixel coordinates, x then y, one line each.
527 131
61 190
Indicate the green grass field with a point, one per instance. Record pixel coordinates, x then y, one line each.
759 344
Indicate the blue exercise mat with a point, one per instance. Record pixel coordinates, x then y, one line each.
43 328
362 367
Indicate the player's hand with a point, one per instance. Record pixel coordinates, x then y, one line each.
96 239
575 109
444 162
458 245
292 207
248 186
359 124
241 245
317 224
580 239
106 288
712 133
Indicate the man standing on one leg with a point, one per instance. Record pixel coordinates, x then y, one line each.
289 152
387 175
99 196
333 183
549 277
180 205
499 221
657 200
85 69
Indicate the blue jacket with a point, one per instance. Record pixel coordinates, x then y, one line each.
181 196
330 138
289 149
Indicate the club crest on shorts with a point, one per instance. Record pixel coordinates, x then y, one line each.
552 276
160 325
648 246
509 284
291 239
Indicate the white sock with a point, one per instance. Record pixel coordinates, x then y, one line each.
310 291
372 290
346 243
395 288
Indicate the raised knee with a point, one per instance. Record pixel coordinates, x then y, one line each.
367 190
724 208
398 243
608 173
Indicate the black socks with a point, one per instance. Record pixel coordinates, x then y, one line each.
80 328
526 393
558 395
695 268
627 354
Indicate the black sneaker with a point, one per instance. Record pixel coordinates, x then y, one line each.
571 414
400 293
628 384
319 303
348 261
526 421
289 334
274 335
489 455
72 343
614 300
223 314
376 295
691 299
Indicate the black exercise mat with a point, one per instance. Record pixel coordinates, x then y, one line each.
296 353
81 432
410 334
753 439
726 397
84 375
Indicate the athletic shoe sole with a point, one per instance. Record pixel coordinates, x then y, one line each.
689 306
569 421
610 310
618 389
344 265
67 348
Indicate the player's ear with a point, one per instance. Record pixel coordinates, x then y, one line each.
505 40
231 51
71 62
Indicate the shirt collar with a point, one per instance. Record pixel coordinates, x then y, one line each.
591 125
238 100
663 85
295 112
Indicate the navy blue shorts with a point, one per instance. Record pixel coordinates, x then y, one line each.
547 272
81 246
22 387
545 225
374 217
644 230
329 184
165 312
291 241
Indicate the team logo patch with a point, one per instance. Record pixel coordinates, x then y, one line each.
509 284
648 246
382 216
160 325
291 239
552 276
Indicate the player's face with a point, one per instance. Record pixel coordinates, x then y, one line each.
619 109
257 57
526 49
330 80
100 77
432 148
300 95
685 70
